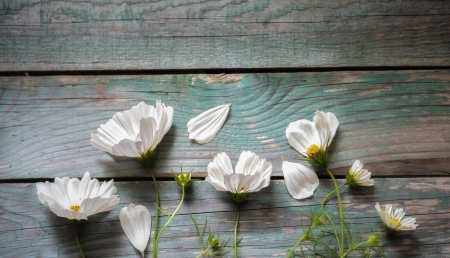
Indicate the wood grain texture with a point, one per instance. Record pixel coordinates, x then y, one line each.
398 123
194 34
270 223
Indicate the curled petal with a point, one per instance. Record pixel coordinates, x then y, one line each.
301 181
204 127
136 223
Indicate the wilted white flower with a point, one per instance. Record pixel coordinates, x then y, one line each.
251 175
311 139
357 175
75 199
204 127
136 132
395 220
301 181
136 223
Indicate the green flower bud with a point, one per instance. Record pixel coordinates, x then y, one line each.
373 239
214 241
183 179
318 220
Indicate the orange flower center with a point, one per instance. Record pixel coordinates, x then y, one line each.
312 150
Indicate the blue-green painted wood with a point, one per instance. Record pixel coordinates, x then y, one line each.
270 223
192 34
396 122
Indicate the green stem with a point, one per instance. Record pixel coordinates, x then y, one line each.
303 238
155 239
341 218
235 231
173 214
76 223
352 249
328 217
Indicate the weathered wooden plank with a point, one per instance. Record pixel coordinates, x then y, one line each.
270 223
141 34
396 122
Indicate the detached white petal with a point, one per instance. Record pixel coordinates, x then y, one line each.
75 199
134 132
357 175
136 223
204 127
251 175
301 181
395 220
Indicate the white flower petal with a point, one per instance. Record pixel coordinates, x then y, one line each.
301 135
147 127
135 131
136 223
221 165
204 127
235 183
127 148
301 181
326 124
75 199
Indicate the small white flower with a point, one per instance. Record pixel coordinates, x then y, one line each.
301 181
311 139
252 174
75 199
136 132
204 127
395 220
357 175
136 223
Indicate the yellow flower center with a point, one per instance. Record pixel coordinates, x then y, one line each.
242 188
312 150
75 208
395 221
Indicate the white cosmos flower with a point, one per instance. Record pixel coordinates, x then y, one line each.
251 175
395 220
313 138
204 127
136 132
75 199
136 223
357 175
301 181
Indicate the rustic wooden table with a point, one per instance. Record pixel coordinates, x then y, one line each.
381 66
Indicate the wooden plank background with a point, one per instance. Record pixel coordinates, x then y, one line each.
180 34
380 66
398 122
271 221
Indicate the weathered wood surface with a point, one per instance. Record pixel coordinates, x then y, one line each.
270 221
398 123
141 34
